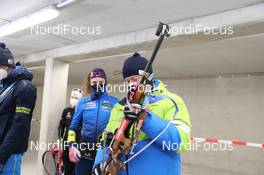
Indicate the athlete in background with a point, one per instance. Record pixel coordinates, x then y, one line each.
92 113
65 122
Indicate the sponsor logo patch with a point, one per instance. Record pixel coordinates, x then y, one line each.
23 110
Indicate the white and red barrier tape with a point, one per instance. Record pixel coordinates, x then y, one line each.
240 143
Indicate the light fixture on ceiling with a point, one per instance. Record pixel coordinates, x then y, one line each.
36 68
29 20
107 57
64 3
117 72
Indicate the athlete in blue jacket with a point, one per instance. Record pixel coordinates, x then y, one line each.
92 112
17 102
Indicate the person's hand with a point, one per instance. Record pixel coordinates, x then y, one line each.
74 154
106 138
60 141
132 111
97 169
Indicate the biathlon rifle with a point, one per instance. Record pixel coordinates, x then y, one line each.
122 143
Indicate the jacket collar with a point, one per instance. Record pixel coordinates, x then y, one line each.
159 87
17 74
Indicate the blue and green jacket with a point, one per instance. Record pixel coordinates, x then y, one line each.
162 157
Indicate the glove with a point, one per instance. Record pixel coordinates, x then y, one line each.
60 141
107 139
97 170
132 112
74 154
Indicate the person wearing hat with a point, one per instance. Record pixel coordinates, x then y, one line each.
92 113
163 126
17 102
65 122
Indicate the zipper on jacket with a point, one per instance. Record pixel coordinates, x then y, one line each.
96 124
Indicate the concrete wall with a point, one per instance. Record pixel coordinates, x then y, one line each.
226 108
35 127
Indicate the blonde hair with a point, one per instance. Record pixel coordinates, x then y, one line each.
87 85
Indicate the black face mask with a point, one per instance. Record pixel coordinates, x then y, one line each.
98 89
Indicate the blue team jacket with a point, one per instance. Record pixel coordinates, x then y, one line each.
93 115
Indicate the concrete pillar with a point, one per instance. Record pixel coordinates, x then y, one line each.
54 101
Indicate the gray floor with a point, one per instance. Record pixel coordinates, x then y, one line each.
195 162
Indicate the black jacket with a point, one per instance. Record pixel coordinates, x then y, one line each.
16 113
65 122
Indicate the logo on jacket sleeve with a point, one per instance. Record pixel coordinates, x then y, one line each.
90 105
10 61
23 110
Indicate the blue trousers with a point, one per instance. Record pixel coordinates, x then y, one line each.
84 167
13 165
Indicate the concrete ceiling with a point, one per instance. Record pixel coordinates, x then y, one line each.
12 9
114 16
243 55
